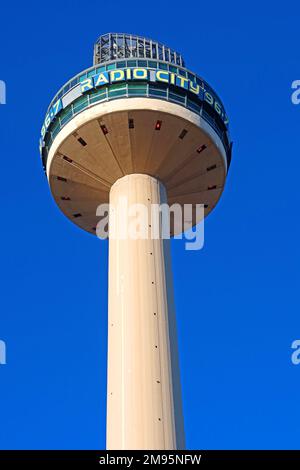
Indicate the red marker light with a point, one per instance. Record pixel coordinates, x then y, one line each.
200 149
158 125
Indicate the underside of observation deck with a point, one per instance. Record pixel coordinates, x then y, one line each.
90 159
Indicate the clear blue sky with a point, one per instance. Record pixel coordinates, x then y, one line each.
237 299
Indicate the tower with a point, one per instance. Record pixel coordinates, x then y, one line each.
137 126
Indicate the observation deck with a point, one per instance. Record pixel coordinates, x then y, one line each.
135 88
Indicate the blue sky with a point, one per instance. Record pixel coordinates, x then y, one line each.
237 299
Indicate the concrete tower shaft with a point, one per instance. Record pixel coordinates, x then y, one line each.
143 395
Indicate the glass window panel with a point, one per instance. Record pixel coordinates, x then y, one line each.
176 97
193 106
80 104
116 93
152 64
131 63
157 92
162 66
121 64
199 81
142 63
117 86
55 129
137 85
66 117
138 91
182 72
100 95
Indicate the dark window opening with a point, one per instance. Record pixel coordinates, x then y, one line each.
201 148
76 215
65 198
60 178
104 129
82 142
212 187
183 134
212 167
67 159
131 123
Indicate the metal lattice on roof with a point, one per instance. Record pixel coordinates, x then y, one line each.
114 46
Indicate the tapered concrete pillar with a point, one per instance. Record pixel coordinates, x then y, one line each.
144 409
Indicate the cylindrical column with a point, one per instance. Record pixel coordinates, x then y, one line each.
144 408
